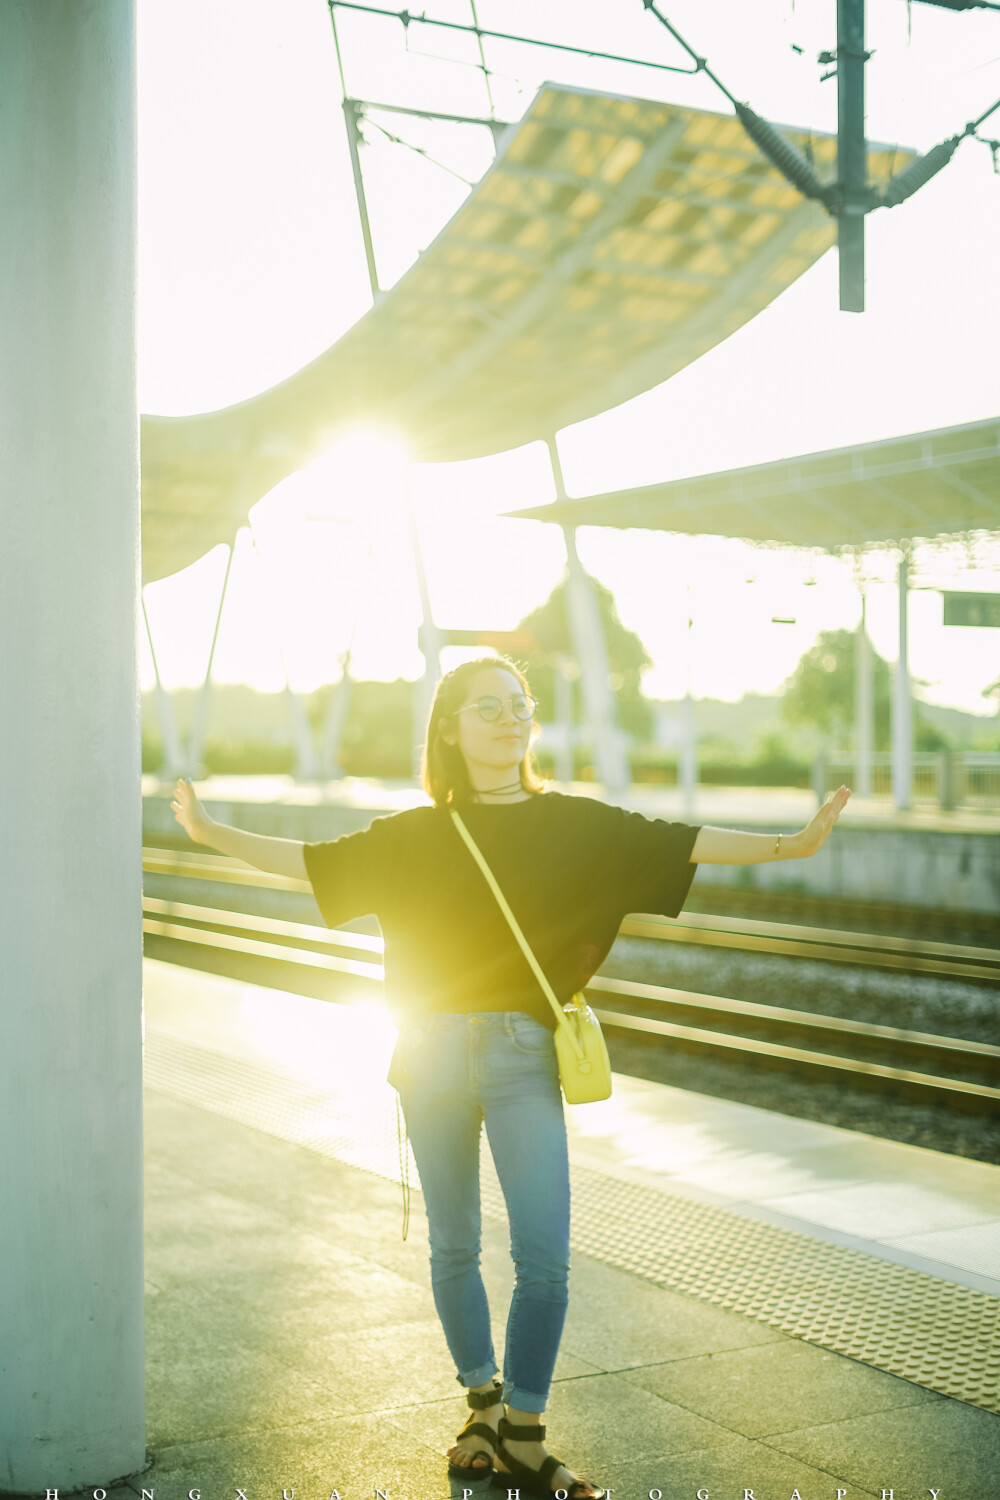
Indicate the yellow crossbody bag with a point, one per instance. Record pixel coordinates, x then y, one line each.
581 1051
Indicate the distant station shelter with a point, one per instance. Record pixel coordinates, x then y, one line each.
613 241
924 485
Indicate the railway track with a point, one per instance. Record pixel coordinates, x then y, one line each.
342 963
847 913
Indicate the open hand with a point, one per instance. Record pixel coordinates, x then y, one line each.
189 812
816 833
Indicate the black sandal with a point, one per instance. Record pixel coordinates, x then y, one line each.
536 1481
478 1400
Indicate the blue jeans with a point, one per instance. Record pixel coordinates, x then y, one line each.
457 1071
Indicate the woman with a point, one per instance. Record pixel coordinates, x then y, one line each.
476 1032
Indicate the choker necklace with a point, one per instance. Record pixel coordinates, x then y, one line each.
500 791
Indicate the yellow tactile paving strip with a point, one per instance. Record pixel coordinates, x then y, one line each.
932 1332
929 1331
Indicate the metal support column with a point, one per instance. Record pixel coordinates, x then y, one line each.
71 1287
431 640
173 756
587 635
307 763
902 701
203 703
353 146
688 760
564 718
864 706
335 722
852 153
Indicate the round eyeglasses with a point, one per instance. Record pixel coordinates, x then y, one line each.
490 708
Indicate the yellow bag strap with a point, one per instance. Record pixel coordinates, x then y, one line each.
536 967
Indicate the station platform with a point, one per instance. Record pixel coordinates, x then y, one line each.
758 1304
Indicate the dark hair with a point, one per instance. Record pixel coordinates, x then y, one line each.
444 774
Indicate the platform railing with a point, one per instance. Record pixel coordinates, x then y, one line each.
947 779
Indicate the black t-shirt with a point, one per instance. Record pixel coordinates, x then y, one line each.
570 867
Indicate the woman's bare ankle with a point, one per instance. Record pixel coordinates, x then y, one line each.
523 1418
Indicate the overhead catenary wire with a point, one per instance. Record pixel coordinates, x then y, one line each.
923 168
798 170
397 140
778 149
408 18
963 4
482 59
701 63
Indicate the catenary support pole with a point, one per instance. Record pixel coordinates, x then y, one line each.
864 706
71 1285
902 701
587 635
852 153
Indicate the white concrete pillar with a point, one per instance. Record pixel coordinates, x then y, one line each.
864 706
71 1369
902 701
590 648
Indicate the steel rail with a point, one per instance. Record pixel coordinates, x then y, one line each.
305 957
183 863
316 948
871 950
778 1015
306 933
719 1040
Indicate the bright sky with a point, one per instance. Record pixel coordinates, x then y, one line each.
251 263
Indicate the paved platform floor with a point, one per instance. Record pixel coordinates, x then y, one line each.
292 1343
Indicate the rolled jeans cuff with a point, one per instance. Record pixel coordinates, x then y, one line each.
523 1400
480 1376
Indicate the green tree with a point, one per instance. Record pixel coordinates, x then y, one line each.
820 692
627 658
378 731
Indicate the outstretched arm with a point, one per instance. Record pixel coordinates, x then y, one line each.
726 846
276 856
